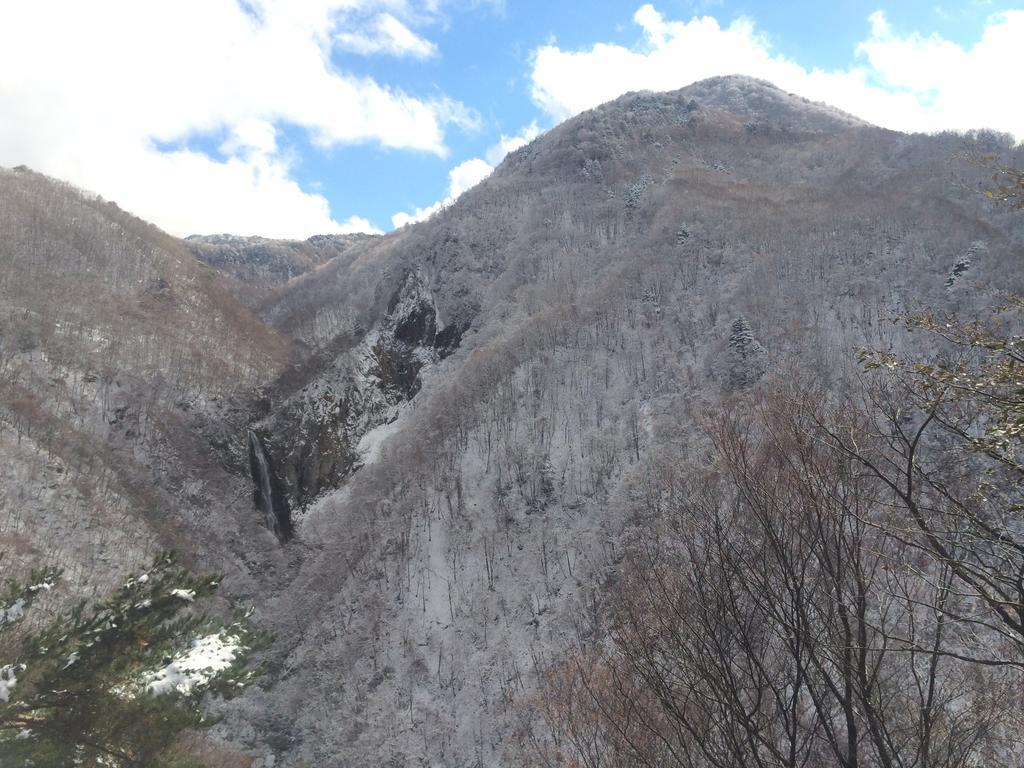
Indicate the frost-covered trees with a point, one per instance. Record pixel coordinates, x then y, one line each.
593 333
115 683
948 442
636 191
746 355
781 615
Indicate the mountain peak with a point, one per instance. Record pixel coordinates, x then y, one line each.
750 99
709 121
739 93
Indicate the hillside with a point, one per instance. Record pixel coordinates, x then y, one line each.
112 335
260 264
453 429
595 281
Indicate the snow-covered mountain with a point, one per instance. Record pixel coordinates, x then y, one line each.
419 455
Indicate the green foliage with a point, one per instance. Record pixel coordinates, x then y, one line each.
16 598
116 683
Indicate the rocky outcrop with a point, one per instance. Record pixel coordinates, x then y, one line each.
964 261
307 442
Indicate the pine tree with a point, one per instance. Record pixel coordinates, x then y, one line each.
118 682
747 364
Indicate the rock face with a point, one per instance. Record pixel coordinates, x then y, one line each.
267 495
420 459
310 439
964 262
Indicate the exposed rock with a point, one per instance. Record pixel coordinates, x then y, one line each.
311 437
964 261
267 493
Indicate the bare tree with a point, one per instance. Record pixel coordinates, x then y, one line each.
773 620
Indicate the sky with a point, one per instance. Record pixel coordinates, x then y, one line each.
289 118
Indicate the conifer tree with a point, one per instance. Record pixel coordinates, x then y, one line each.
746 364
115 683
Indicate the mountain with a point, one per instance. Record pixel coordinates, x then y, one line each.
113 337
420 455
258 263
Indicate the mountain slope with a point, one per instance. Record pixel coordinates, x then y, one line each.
259 264
112 334
609 281
453 428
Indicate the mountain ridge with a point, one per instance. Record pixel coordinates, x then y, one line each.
457 508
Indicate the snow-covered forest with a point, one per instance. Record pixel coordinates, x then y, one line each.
670 443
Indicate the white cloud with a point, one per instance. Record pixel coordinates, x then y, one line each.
95 92
469 173
358 224
387 35
508 144
460 178
909 82
251 135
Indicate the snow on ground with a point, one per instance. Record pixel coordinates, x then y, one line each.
370 444
197 666
13 612
8 680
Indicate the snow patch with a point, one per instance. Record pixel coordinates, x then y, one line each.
197 666
370 444
12 612
8 679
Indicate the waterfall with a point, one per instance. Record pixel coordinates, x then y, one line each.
276 520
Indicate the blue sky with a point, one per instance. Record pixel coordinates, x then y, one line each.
484 60
291 117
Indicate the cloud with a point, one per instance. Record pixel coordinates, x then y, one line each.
508 144
114 95
355 224
460 178
469 173
907 82
387 35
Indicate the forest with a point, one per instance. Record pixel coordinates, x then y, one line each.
689 437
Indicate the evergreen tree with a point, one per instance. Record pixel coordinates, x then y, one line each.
115 683
747 364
